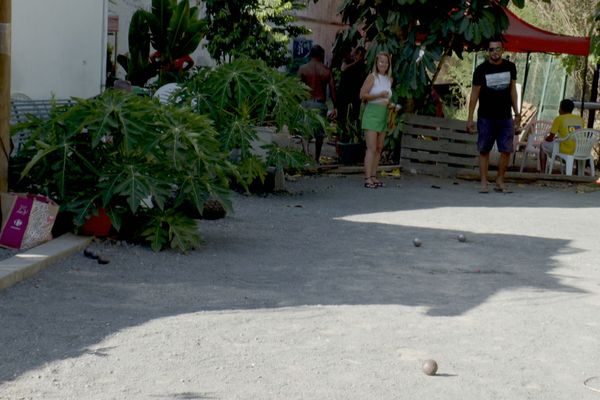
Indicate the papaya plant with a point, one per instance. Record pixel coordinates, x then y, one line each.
130 155
241 96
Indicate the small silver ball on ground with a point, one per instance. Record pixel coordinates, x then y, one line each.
461 238
430 367
417 242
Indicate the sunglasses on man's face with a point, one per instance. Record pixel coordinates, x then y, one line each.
497 49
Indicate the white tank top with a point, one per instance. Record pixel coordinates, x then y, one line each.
381 83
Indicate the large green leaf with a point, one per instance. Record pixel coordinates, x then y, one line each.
125 153
175 229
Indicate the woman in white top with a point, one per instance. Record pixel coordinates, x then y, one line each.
376 91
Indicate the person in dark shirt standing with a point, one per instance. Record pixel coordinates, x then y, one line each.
318 78
494 86
353 74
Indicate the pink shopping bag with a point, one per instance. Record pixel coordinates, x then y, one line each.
27 220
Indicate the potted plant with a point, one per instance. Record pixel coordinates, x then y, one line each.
350 146
131 156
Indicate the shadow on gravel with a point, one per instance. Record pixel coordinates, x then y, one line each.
285 251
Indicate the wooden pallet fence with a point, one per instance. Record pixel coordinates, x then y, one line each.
437 146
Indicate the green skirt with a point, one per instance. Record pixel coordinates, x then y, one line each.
374 118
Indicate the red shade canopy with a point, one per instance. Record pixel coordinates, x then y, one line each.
523 37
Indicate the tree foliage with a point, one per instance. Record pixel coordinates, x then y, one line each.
419 33
258 29
563 18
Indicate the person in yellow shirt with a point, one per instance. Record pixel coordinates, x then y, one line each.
565 123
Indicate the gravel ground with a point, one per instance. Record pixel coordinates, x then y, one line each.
320 293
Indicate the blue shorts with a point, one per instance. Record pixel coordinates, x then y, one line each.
499 131
321 109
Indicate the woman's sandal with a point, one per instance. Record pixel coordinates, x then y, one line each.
377 181
370 185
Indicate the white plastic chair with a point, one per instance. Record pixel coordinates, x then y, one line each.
165 92
536 132
585 139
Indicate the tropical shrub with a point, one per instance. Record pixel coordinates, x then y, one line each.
136 158
241 96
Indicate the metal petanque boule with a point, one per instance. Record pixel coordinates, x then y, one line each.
430 367
461 238
417 242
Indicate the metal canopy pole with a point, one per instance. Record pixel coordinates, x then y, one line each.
545 87
5 41
584 85
563 90
525 75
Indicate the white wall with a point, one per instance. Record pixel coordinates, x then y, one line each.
58 47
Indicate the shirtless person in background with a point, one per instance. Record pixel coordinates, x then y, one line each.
318 78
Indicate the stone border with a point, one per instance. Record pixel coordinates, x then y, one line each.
30 262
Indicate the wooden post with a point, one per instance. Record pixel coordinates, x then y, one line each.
525 76
5 43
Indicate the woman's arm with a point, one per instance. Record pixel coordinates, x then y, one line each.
366 88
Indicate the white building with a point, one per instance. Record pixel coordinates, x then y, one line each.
58 47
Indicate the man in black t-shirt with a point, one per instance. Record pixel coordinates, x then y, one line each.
353 74
494 87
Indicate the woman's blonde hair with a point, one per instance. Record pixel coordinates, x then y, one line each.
389 57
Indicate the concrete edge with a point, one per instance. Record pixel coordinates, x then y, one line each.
30 262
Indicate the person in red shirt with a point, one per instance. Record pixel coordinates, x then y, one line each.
178 66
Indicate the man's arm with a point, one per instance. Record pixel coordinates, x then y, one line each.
333 94
554 129
332 91
515 103
473 99
346 65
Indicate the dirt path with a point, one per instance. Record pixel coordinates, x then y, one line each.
320 294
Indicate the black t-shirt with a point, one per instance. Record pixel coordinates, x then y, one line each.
494 98
351 81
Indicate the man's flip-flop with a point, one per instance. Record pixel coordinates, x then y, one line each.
484 190
502 190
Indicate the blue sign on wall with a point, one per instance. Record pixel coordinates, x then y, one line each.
302 47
